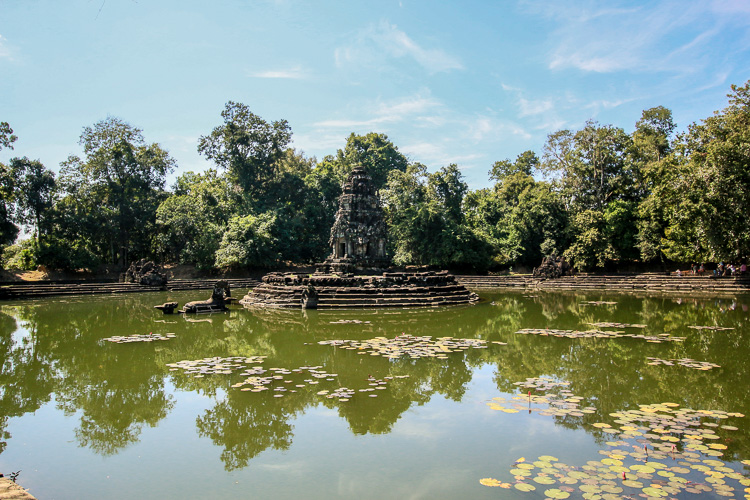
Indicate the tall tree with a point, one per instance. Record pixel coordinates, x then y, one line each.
373 151
651 150
523 219
8 194
590 165
246 146
424 228
35 194
711 197
8 181
120 181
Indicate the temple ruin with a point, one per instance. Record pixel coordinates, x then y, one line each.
357 273
358 235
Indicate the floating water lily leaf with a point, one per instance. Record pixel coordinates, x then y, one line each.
544 480
590 488
525 487
655 492
597 334
633 483
556 493
148 337
488 481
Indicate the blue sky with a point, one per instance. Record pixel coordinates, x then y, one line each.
468 82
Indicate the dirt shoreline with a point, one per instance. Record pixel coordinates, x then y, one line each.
12 491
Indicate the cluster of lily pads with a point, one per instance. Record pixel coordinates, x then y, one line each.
557 401
345 394
575 334
632 466
686 362
408 345
713 328
148 337
277 380
256 383
616 325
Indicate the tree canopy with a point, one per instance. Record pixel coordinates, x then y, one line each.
598 195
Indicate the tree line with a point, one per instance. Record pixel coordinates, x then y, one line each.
598 196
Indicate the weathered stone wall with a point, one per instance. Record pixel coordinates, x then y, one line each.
386 290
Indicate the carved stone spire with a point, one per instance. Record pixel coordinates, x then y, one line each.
358 235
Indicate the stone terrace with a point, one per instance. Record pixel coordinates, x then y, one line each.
652 282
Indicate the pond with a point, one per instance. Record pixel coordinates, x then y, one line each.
481 401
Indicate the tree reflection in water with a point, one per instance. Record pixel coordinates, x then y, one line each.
51 348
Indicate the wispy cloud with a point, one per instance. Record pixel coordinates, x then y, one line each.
294 73
436 153
4 50
376 40
411 107
650 37
534 107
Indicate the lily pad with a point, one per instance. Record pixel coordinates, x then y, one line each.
556 493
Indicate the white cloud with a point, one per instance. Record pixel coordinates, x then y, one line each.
435 154
386 39
394 111
4 50
294 73
639 39
534 107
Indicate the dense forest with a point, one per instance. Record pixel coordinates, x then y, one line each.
599 196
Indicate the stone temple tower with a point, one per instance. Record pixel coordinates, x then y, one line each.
358 235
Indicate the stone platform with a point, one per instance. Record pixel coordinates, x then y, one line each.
390 289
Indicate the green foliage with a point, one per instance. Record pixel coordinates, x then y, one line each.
248 242
526 163
190 223
621 230
246 146
6 136
20 256
36 187
73 253
591 166
375 152
517 217
117 188
424 228
590 247
706 193
606 197
8 194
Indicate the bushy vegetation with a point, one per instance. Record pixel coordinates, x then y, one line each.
597 195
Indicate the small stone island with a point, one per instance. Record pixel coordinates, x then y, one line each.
357 273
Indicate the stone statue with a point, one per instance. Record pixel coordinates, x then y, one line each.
552 266
309 297
220 297
167 307
145 272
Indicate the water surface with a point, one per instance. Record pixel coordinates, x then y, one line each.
83 418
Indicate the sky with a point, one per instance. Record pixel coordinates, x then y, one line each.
469 82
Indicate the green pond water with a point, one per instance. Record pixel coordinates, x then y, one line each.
81 417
